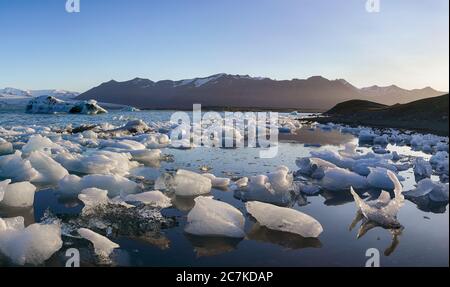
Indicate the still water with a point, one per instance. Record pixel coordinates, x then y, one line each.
424 241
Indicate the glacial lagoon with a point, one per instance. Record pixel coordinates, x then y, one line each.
421 241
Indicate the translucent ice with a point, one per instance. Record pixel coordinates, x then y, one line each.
210 217
284 219
17 169
422 168
217 181
32 245
153 198
188 183
19 194
436 191
338 179
5 147
49 170
103 246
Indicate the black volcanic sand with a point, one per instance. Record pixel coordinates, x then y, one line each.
428 115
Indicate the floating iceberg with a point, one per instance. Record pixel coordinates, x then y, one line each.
51 105
49 170
217 181
5 147
152 198
381 178
32 245
115 185
103 246
210 217
133 127
17 169
93 197
422 168
435 191
339 179
313 167
40 143
19 194
188 183
284 219
276 187
384 210
98 162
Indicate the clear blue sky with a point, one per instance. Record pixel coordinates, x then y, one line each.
43 46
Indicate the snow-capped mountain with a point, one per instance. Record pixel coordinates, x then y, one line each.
14 93
243 91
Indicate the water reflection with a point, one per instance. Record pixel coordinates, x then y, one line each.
368 225
424 203
284 239
211 246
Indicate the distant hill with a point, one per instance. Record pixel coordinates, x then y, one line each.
13 93
237 91
429 115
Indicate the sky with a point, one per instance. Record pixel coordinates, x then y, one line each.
43 47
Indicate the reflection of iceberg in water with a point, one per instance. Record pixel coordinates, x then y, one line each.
336 198
284 239
184 203
367 225
424 203
212 246
156 239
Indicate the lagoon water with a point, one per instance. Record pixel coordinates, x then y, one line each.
424 240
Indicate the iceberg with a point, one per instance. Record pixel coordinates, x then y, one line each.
284 219
115 185
52 105
98 162
422 168
217 181
384 210
93 197
40 143
339 179
19 194
188 183
152 198
276 187
381 178
435 191
313 167
49 170
103 246
17 169
32 245
210 217
5 147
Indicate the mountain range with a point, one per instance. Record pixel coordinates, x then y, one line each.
238 91
13 93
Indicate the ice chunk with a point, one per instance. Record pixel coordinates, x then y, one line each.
32 245
92 197
18 194
277 187
313 167
338 179
3 185
17 169
103 246
188 183
284 219
217 181
380 178
98 162
242 182
422 168
366 136
384 210
51 105
146 156
5 147
114 184
136 126
153 198
121 145
49 170
436 191
40 143
210 217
